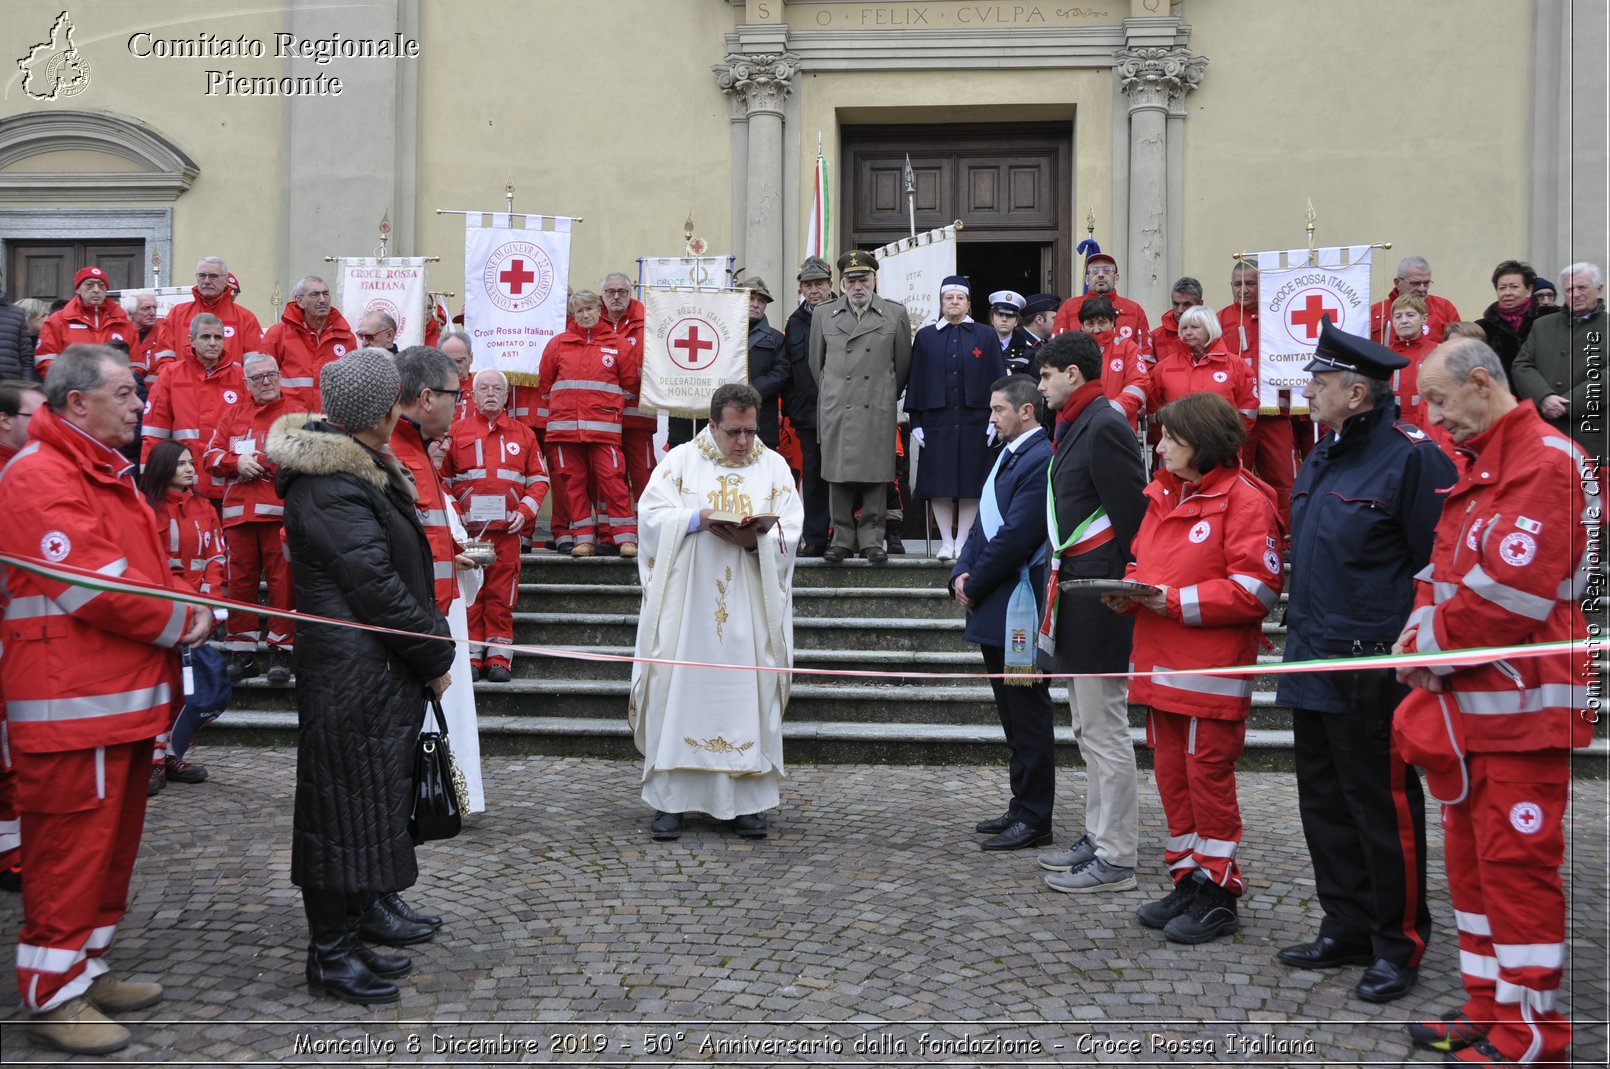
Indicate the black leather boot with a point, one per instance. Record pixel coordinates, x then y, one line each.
395 904
377 924
334 966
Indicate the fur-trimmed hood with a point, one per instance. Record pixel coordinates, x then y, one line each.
307 444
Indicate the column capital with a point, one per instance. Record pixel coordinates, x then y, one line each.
757 83
1157 78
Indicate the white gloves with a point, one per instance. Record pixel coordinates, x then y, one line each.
916 436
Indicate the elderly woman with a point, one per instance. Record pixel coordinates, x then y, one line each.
1207 544
1204 366
358 553
953 364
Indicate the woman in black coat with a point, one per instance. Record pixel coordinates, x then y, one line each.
358 553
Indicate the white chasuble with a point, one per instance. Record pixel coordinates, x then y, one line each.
711 738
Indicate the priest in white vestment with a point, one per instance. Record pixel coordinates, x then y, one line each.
715 593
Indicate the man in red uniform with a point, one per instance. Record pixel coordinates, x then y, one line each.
1414 276
310 333
623 314
456 344
1187 294
141 307
1512 561
429 396
171 340
191 396
1123 371
583 388
493 466
18 402
1101 278
88 319
90 680
1271 448
253 521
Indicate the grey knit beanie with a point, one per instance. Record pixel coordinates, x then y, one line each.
359 389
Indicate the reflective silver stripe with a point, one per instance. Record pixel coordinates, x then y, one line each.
542 413
1530 955
620 521
1136 390
480 456
176 564
32 607
470 473
231 511
1222 686
268 510
41 358
1249 413
1259 589
175 627
1530 700
632 410
150 430
510 475
1484 966
586 384
1473 923
1217 847
1530 998
1441 592
1190 607
530 504
76 597
165 354
58 709
433 517
442 569
173 537
186 435
1424 574
535 479
296 384
1507 597
596 425
1568 448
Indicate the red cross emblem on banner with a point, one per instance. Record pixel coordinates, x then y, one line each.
1310 313
689 342
516 276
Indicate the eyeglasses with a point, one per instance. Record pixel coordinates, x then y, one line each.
202 276
739 432
265 378
455 393
363 335
616 293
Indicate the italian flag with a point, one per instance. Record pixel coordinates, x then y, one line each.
816 230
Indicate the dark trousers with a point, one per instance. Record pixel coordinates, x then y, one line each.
812 490
1363 815
1027 718
864 526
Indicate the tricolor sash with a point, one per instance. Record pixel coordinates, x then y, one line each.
1096 530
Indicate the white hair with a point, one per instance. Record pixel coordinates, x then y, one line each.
1203 317
219 260
302 283
131 299
258 358
1411 263
1583 268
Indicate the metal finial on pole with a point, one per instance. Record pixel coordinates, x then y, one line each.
1311 216
508 194
1090 222
911 195
385 234
156 268
276 299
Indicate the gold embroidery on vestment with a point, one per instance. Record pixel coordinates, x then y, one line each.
731 498
721 602
718 745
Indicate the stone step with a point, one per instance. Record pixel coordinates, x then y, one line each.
547 567
810 601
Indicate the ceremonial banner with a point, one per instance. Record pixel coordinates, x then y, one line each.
1296 296
911 270
394 285
818 227
515 277
693 341
684 272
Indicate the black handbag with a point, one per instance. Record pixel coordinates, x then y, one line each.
440 793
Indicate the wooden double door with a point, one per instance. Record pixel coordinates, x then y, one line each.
46 268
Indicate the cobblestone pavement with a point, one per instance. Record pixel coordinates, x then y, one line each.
869 929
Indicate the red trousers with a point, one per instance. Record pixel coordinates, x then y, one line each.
1194 760
559 508
10 825
593 476
257 552
82 814
1271 451
491 617
638 445
1504 846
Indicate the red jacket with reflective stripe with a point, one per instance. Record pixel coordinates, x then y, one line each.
1124 375
410 449
171 338
495 457
1130 325
187 404
303 354
630 329
244 429
194 541
83 669
585 381
1439 313
77 324
1166 338
1215 371
1215 546
1510 567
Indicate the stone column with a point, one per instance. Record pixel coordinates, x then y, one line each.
760 83
1152 79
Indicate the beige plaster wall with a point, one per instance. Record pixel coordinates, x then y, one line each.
1403 123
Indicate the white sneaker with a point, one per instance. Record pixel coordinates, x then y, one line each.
1093 876
1071 858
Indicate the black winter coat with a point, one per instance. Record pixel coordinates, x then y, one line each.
16 347
799 395
357 552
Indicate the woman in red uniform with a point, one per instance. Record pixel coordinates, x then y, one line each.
1207 367
1208 544
194 540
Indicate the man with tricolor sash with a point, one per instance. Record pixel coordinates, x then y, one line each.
1094 502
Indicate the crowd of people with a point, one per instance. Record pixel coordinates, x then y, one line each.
356 482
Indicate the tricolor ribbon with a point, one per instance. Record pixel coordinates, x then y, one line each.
1095 531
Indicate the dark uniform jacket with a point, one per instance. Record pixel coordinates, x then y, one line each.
993 565
1363 512
799 392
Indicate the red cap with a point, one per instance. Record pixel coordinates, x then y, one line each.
234 284
87 273
1100 258
460 317
1427 731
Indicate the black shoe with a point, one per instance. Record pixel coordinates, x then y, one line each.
750 826
996 825
564 548
11 879
279 667
811 549
1212 913
178 770
158 781
608 549
835 554
1448 1033
388 967
876 555
394 904
1325 953
377 924
475 673
334 968
1176 902
666 827
895 544
498 673
241 665
1020 836
1384 981
1489 1055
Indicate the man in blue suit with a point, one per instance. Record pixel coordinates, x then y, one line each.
1006 552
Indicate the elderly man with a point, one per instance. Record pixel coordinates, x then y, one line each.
716 591
212 296
1414 276
815 280
1510 566
311 333
1101 280
860 357
1563 359
493 466
1186 294
88 319
623 314
1362 809
253 520
141 308
90 681
191 396
460 350
377 330
1271 448
19 400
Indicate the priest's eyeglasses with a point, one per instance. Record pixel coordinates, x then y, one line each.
736 433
